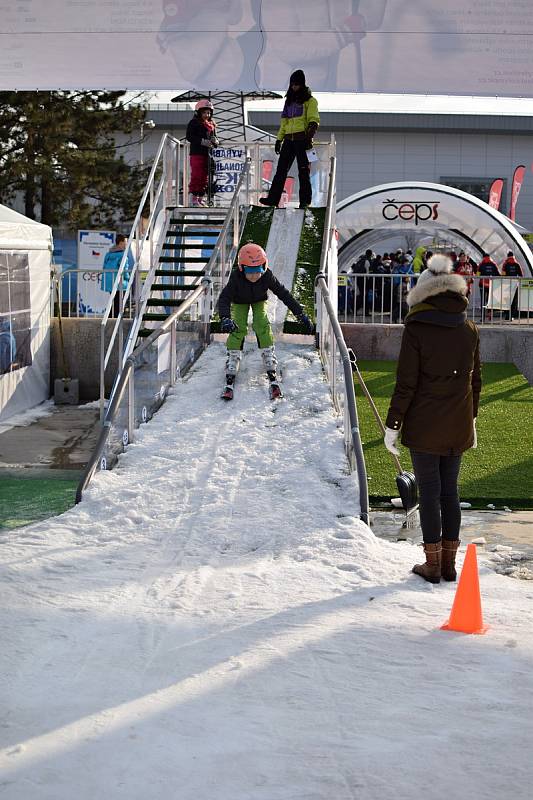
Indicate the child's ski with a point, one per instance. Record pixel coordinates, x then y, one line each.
227 393
275 388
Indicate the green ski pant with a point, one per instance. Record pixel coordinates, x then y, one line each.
260 324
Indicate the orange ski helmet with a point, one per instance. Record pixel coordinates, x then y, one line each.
253 257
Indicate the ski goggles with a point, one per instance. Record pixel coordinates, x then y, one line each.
250 270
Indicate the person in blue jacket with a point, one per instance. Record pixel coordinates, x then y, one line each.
112 261
401 285
8 346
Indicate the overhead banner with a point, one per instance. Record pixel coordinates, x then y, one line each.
457 47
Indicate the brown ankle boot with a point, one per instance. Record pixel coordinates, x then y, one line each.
449 551
430 571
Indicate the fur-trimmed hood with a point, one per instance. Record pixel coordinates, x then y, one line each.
430 285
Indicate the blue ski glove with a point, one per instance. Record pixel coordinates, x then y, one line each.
304 320
227 325
277 147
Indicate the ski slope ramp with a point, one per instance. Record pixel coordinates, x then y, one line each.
213 622
282 251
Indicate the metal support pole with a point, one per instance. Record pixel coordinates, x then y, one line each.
131 405
173 355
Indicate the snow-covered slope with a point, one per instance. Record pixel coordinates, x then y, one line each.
213 622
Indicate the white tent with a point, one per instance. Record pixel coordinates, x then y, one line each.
25 263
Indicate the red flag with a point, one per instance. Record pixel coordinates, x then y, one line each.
518 177
495 193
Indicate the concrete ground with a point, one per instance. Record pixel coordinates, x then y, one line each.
61 441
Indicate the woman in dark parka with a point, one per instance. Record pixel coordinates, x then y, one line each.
435 405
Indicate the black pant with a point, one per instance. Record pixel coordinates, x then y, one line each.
440 511
291 149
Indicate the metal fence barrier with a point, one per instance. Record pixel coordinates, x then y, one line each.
382 299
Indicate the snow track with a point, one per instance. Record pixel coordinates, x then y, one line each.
282 250
213 622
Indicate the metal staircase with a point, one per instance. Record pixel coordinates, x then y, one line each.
189 241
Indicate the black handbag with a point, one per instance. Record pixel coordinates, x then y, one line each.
408 490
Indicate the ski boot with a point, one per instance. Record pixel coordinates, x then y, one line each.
233 362
268 354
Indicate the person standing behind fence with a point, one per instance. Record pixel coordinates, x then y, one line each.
112 260
464 267
361 268
512 269
201 134
400 287
486 267
299 123
435 405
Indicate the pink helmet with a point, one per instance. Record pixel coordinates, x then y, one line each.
252 255
204 103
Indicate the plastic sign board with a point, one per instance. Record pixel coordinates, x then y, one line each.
92 248
462 47
229 163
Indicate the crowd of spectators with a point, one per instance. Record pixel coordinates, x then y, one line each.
358 292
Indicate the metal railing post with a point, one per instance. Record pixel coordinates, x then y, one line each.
131 405
173 358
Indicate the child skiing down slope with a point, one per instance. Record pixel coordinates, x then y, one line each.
248 288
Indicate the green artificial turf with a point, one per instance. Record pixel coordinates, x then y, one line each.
27 500
499 471
308 258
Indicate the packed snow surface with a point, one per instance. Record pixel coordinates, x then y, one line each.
282 251
213 622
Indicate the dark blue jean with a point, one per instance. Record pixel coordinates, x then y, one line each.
440 512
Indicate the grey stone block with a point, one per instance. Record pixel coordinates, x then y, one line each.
66 391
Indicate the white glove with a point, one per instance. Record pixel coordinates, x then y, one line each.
475 435
390 441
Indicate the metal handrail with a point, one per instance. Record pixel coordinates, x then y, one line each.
350 399
325 300
123 382
105 355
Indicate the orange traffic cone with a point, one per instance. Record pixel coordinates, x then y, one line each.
466 616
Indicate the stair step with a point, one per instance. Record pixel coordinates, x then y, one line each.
183 260
196 221
154 301
173 234
188 273
143 333
173 287
186 246
151 317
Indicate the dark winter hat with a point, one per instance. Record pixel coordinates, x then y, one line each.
297 77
